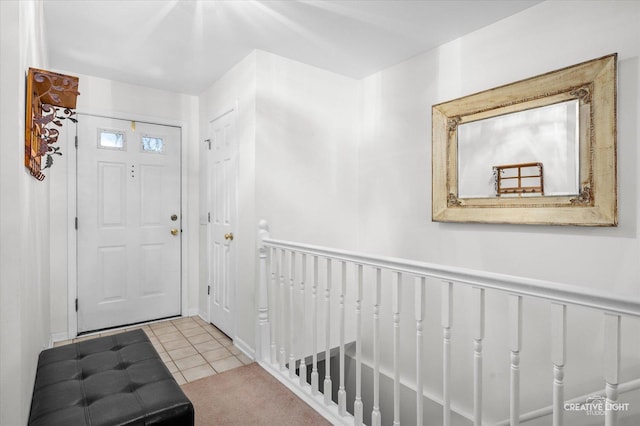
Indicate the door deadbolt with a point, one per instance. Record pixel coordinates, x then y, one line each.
174 217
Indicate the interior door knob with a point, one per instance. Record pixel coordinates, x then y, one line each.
229 236
174 231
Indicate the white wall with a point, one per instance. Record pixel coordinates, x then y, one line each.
307 135
394 196
24 246
120 100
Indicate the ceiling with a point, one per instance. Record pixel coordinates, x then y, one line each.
186 45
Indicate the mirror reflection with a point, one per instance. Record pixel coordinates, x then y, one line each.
527 153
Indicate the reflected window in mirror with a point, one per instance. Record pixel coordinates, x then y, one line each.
547 135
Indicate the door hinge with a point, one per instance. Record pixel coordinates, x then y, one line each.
76 223
209 217
76 304
208 290
208 141
76 142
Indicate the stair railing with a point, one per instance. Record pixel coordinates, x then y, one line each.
280 346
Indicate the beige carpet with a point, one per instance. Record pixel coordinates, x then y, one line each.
248 396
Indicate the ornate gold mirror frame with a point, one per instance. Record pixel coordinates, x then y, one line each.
592 87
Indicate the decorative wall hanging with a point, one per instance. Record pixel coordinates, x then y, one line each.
489 149
50 98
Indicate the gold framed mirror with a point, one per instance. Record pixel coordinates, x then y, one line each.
537 151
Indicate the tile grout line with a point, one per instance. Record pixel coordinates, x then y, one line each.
188 350
184 344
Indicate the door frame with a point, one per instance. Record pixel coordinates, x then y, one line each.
231 109
72 209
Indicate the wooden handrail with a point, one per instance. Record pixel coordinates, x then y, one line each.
541 289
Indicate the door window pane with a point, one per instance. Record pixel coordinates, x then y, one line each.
152 144
110 139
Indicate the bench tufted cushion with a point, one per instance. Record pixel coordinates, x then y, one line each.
113 380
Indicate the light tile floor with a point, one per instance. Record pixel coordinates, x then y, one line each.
189 347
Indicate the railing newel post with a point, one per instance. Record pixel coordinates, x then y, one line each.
282 267
357 404
612 324
263 341
273 303
515 319
327 387
558 357
396 302
342 393
303 362
478 336
292 316
419 317
314 332
446 322
376 416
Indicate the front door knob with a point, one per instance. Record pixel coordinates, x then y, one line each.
229 236
174 231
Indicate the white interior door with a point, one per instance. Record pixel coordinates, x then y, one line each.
128 222
222 214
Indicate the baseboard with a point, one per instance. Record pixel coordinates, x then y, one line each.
245 348
193 312
58 337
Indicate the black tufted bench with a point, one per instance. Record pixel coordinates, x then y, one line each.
113 380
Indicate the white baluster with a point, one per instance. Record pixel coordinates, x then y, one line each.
264 338
478 336
375 414
292 316
327 332
446 320
274 300
419 316
314 316
282 304
303 333
611 366
397 282
558 354
515 320
357 405
342 393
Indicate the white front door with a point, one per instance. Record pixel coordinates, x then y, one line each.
128 222
222 212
